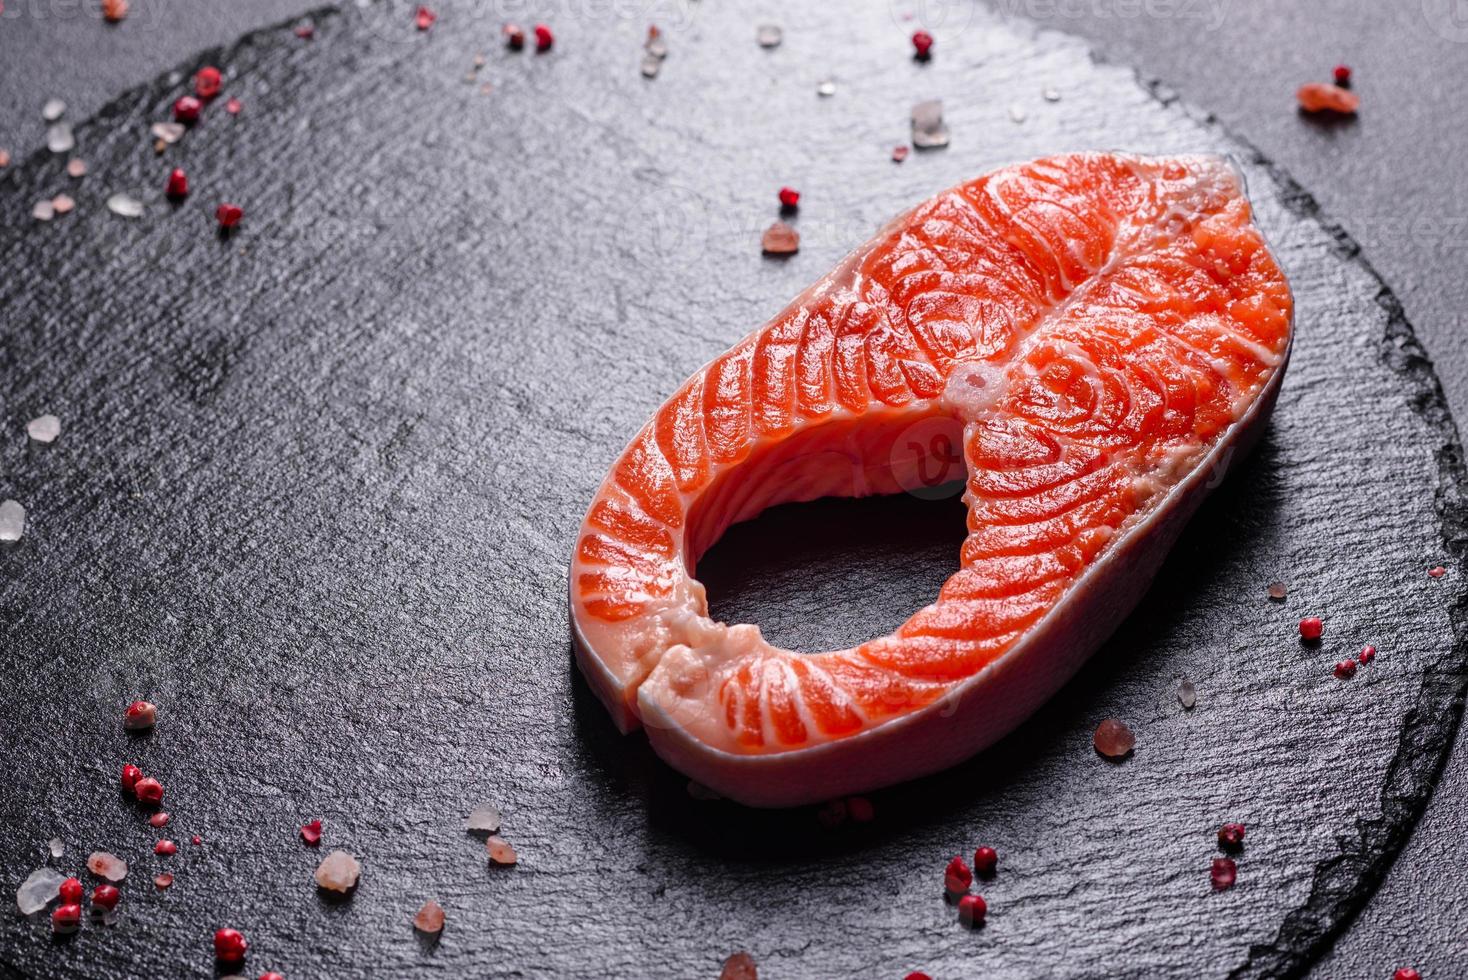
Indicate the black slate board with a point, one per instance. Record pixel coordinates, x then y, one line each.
319 481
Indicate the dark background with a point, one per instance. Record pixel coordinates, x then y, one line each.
1394 180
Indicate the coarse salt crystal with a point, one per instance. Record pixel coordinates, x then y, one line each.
12 520
338 872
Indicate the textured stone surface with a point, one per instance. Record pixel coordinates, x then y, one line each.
319 484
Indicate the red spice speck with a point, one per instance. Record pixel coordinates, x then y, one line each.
917 975
1342 75
230 945
271 976
165 848
197 839
71 891
306 31
106 897
1312 627
1223 874
186 109
148 790
1231 836
514 36
860 809
178 184
1368 654
1346 669
899 153
922 43
789 197
207 82
972 909
986 860
543 38
1406 973
311 833
130 776
957 877
159 819
66 919
1437 572
228 215
233 106
163 880
114 11
423 18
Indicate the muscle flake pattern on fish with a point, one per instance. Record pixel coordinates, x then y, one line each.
1097 332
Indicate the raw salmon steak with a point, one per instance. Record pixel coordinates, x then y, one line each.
1087 341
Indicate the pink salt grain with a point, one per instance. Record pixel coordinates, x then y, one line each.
165 848
1277 591
1437 572
740 966
338 872
108 866
1322 97
1114 739
164 880
899 153
1223 873
311 833
159 819
429 917
500 851
780 239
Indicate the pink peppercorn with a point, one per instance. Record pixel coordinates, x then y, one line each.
922 43
543 38
228 215
957 877
972 909
207 82
986 860
186 109
1312 627
1223 873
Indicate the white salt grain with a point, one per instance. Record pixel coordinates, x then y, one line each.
769 35
124 206
484 819
59 138
44 428
168 132
928 129
58 847
53 110
37 891
12 521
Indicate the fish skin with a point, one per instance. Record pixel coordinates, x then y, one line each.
1102 335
